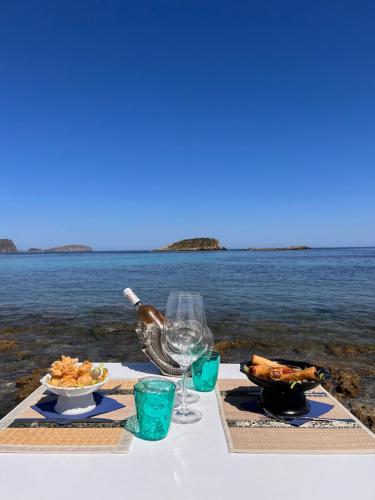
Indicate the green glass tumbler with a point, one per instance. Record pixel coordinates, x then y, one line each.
205 371
154 401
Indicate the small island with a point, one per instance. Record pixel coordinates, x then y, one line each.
192 244
7 246
282 249
35 250
69 248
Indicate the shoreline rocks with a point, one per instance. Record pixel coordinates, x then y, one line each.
6 344
27 384
366 415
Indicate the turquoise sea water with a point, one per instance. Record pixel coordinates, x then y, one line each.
317 305
333 288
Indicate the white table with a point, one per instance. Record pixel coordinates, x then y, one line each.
191 463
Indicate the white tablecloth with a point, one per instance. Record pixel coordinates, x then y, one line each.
191 463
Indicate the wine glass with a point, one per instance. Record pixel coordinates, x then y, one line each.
192 397
184 339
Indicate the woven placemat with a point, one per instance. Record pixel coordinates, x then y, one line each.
251 432
40 436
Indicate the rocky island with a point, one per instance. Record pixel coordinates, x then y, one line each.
69 248
282 249
192 244
7 246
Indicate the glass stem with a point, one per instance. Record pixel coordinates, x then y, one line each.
184 407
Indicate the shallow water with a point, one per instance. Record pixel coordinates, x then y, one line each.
60 303
334 288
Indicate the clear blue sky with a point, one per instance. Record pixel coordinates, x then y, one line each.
131 124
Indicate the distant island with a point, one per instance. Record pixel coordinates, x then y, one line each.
69 248
282 249
7 246
192 244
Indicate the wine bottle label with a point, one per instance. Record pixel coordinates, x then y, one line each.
128 292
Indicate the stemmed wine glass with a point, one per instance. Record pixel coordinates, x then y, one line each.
191 396
184 339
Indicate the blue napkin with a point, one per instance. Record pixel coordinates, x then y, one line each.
103 405
317 409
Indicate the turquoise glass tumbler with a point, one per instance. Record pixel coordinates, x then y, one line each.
154 401
205 371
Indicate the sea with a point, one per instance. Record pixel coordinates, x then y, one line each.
291 302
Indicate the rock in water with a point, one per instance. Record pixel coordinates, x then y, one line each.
194 244
70 248
27 384
366 415
5 344
7 246
348 384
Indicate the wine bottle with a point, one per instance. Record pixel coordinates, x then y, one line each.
146 313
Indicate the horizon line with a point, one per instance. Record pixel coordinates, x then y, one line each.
191 251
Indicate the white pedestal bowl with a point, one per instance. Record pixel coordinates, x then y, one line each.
73 400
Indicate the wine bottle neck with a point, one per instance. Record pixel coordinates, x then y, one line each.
128 292
147 314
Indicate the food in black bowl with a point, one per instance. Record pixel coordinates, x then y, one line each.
283 383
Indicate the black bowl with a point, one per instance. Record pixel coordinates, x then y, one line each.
283 398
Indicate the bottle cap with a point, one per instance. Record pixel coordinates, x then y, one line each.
128 292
